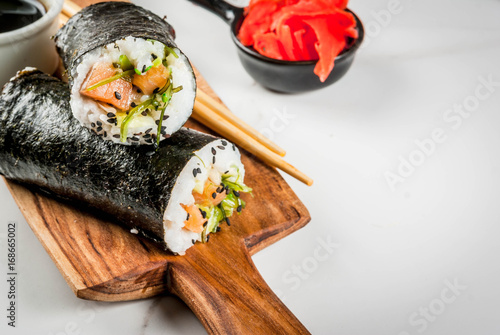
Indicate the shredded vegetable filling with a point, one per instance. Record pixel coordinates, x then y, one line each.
215 204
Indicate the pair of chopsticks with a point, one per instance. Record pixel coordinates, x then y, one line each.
219 118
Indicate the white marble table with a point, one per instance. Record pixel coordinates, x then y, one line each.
405 153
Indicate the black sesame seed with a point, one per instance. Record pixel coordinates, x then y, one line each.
92 125
219 189
149 141
187 219
144 68
111 121
208 237
105 134
193 241
156 90
224 143
99 123
133 104
195 172
139 90
149 130
205 224
214 152
228 222
99 129
110 115
198 169
147 136
116 136
213 160
236 193
239 208
134 139
234 148
127 112
165 117
214 195
157 122
221 147
118 95
218 229
203 213
226 172
100 135
154 56
144 113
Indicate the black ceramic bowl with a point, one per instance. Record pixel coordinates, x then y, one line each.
279 75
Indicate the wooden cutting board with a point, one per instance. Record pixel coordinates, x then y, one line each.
102 261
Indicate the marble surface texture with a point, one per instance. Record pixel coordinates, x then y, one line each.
404 151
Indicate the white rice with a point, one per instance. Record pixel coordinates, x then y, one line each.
177 238
139 51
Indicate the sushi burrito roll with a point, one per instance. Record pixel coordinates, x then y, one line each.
130 84
176 194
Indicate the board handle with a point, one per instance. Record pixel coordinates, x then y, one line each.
227 293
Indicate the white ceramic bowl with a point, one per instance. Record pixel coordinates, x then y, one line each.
31 45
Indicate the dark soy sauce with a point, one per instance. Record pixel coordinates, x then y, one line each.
15 14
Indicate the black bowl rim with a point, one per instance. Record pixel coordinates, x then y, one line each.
344 54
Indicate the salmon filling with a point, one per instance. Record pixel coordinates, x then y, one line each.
117 93
133 93
215 204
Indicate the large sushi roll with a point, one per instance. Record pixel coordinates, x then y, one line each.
176 194
129 82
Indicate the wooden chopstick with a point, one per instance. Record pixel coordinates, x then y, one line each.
222 110
63 19
206 116
70 8
216 116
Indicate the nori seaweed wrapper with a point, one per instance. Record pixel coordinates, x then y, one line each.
103 23
41 143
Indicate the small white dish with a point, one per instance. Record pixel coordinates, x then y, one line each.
31 45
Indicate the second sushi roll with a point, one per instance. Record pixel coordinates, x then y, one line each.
129 82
